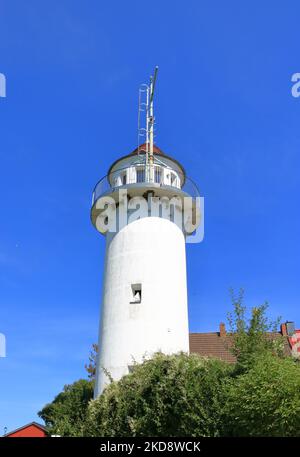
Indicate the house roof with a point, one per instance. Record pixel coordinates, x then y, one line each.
211 345
35 424
217 344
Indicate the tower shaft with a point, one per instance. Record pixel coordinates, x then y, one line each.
146 256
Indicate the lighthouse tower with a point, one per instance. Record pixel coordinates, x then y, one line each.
144 293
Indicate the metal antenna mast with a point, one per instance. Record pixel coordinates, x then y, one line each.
151 114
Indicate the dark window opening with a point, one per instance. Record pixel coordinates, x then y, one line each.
157 174
136 293
173 179
140 175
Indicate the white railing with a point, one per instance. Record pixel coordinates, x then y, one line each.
139 174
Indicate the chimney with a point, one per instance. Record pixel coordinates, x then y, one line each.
222 329
283 329
290 328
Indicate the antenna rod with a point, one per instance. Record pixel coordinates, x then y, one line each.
151 115
153 82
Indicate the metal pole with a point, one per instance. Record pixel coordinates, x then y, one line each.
151 131
151 123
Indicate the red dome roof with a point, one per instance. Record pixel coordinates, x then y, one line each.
142 148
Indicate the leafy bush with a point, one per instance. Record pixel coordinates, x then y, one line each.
181 395
254 336
176 395
265 401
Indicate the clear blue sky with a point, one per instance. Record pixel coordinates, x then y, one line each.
223 108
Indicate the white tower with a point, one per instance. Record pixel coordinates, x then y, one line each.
144 296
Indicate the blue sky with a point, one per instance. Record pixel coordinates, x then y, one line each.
223 108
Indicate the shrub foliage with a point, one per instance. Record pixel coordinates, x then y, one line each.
176 395
265 401
188 395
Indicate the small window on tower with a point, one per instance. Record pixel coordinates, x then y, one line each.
173 179
140 175
124 179
157 174
136 293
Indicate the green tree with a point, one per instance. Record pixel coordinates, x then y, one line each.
66 415
91 366
253 336
265 401
177 395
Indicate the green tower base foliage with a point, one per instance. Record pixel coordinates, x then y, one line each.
189 395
